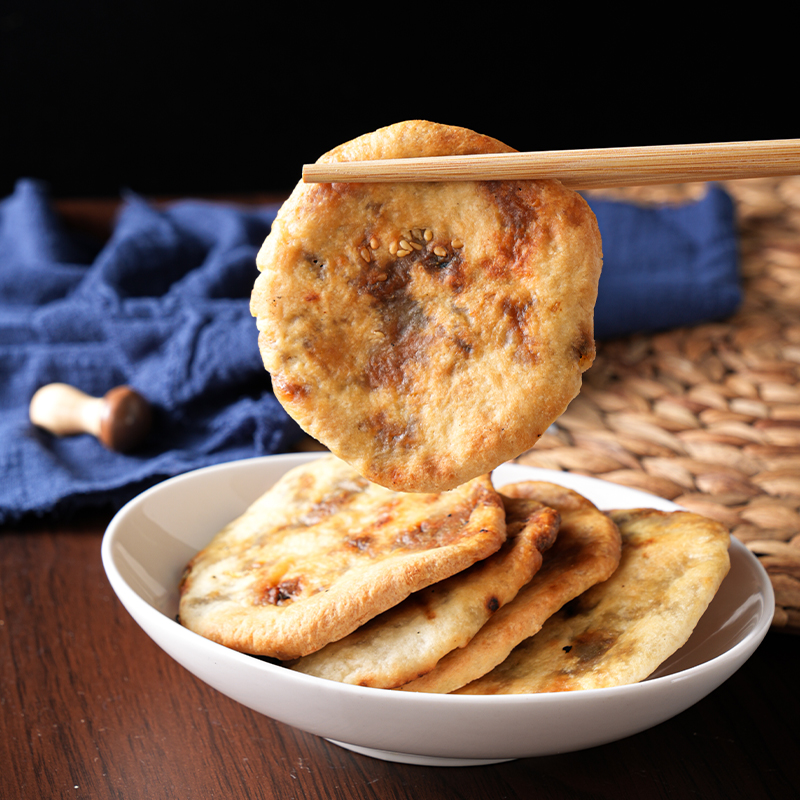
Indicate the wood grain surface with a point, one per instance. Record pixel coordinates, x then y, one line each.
91 708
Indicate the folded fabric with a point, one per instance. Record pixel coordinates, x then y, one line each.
666 266
163 306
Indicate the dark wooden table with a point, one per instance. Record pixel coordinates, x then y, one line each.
91 708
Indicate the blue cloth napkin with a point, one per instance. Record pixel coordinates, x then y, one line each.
163 306
666 266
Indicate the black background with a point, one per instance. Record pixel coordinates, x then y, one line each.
199 98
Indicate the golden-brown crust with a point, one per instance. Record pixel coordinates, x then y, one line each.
586 551
619 631
427 332
406 641
324 551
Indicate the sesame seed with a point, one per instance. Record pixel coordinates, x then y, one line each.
405 244
365 254
428 234
440 251
416 245
392 248
381 277
457 243
374 243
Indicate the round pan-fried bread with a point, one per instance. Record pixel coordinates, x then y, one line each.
621 630
586 551
324 550
407 640
427 332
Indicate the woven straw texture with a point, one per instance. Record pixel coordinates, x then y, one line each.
709 416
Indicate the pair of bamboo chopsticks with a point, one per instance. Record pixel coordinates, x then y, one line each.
581 169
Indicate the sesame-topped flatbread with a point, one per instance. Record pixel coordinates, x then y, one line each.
621 630
586 551
407 640
427 332
325 550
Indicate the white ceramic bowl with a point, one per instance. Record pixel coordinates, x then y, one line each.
151 539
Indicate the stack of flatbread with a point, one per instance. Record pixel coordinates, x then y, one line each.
478 590
426 333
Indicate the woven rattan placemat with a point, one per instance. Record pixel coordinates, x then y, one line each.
709 416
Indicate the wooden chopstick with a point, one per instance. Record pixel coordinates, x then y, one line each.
581 169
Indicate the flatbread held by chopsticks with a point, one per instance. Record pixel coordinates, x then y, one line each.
427 332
